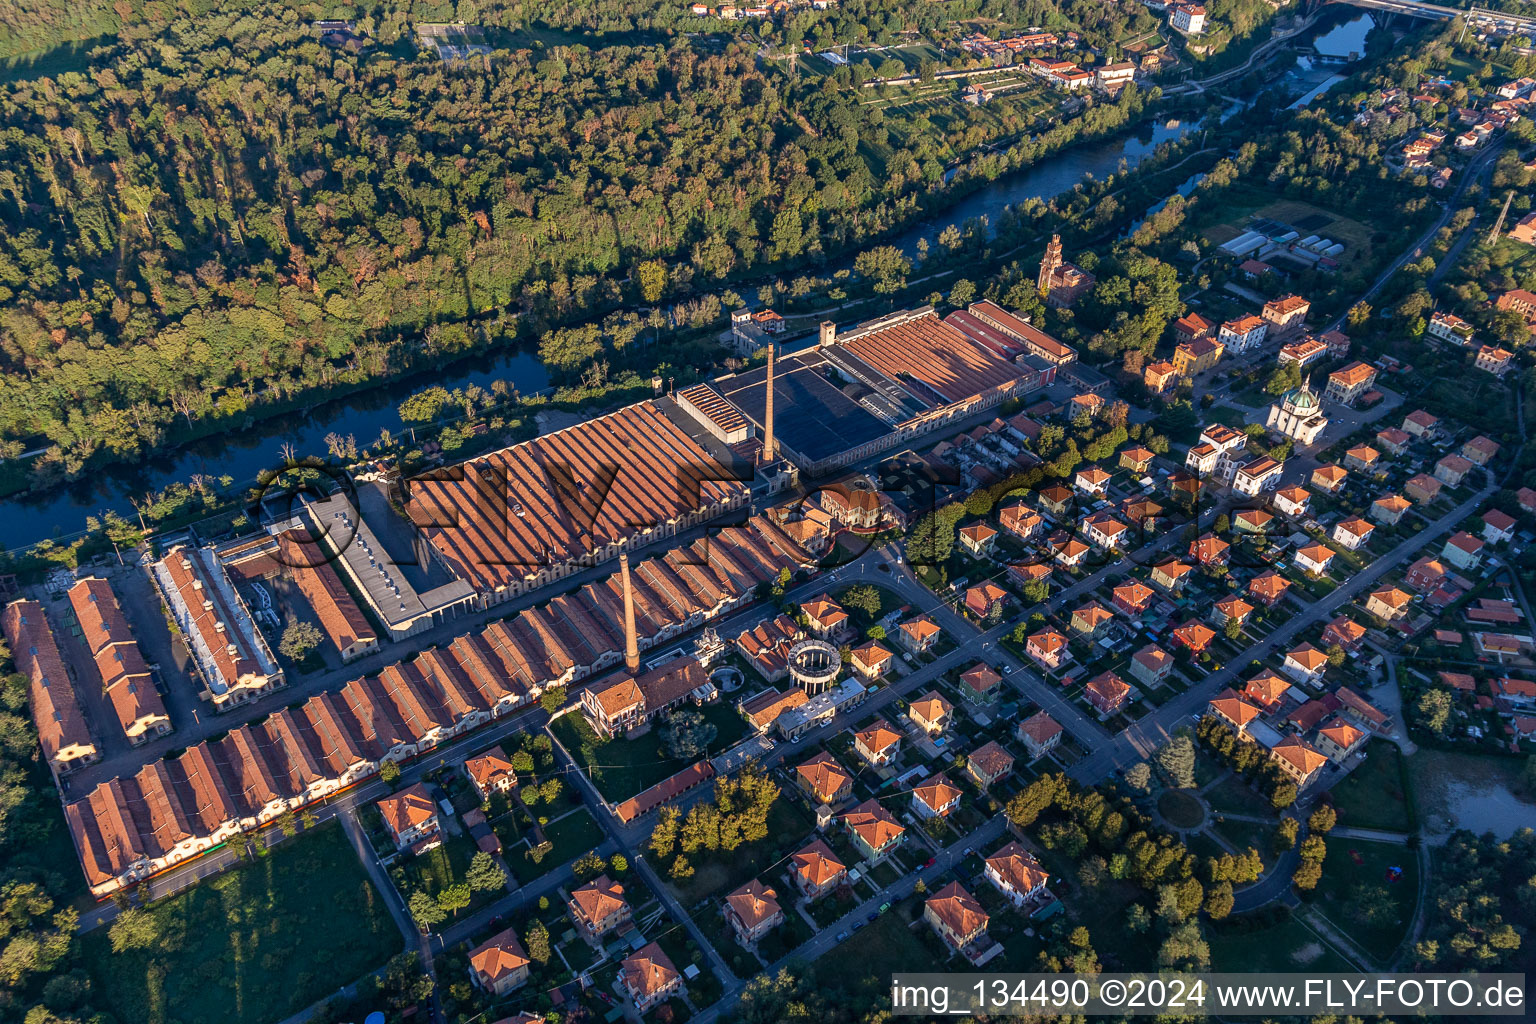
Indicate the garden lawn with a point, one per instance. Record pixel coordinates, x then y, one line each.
1374 795
439 868
571 836
253 945
1344 882
621 767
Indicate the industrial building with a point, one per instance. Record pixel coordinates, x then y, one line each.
520 518
231 656
887 381
132 826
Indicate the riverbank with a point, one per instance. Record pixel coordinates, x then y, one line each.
240 455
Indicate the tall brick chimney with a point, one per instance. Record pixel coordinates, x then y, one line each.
768 453
631 640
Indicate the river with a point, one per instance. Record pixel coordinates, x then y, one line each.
244 454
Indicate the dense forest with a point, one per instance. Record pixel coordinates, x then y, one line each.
220 212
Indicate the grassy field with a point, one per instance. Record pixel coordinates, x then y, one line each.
1355 882
1374 795
872 954
1243 834
573 835
1245 201
1285 946
253 945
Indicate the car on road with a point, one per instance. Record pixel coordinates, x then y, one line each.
929 862
841 936
884 907
857 925
874 915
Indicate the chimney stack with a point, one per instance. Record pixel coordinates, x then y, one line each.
631 641
828 333
768 454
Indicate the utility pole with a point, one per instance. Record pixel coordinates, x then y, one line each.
1498 225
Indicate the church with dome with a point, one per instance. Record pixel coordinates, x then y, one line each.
1298 415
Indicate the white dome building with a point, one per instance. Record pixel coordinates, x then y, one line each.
1298 415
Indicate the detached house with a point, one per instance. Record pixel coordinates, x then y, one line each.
1463 550
1452 469
650 978
988 763
1091 480
935 798
978 539
1090 618
878 744
1345 632
1268 587
1210 549
499 965
1231 609
816 870
1040 734
1352 534
1021 521
986 600
1132 597
1498 527
931 713
1231 708
1314 558
981 683
1171 576
1388 604
826 780
411 818
1362 457
918 635
1196 636
825 618
1046 648
1298 759
1107 692
1305 664
490 772
599 907
1329 478
1338 738
1151 665
956 917
1068 550
1389 508
753 911
1292 501
1104 531
1016 874
1267 690
1422 488
875 831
